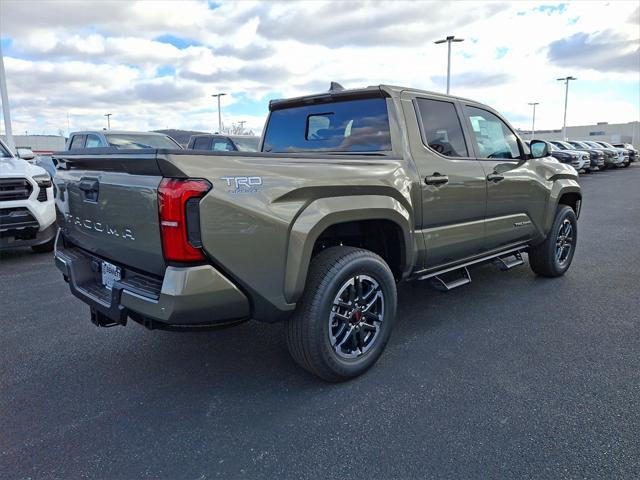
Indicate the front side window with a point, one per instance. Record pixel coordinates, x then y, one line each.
221 145
441 128
343 126
92 141
493 139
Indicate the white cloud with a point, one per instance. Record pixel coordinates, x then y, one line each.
119 57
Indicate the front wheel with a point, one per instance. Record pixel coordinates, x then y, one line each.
344 319
553 257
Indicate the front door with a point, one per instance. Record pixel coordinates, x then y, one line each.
452 181
516 199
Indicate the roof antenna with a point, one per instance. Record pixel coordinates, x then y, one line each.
335 87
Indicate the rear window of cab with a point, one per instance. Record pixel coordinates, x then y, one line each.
343 126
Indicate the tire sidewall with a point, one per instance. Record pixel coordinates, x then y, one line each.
568 214
378 270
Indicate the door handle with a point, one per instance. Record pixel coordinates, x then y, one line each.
495 177
436 179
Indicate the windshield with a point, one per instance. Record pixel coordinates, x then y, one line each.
246 144
133 141
347 126
605 144
565 145
580 145
4 151
560 145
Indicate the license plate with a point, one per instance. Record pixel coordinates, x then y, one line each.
110 273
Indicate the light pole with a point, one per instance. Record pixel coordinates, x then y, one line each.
108 115
533 121
242 122
4 96
449 39
566 81
219 113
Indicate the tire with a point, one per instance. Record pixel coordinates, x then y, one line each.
329 340
544 259
587 170
626 164
44 247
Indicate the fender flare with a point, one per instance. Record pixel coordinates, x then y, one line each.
560 187
325 212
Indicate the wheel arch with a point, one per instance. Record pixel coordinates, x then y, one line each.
564 192
336 217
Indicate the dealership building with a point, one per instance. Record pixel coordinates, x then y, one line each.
40 144
603 131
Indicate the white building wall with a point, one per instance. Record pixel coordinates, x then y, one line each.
39 143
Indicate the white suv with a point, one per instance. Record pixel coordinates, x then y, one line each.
27 207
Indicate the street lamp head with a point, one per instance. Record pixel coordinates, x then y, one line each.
438 42
534 103
458 40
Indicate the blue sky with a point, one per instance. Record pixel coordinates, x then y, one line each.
156 64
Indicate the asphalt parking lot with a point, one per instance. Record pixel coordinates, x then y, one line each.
513 376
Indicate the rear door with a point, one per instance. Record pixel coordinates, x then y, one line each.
452 180
109 205
516 199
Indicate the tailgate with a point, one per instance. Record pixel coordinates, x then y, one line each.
109 206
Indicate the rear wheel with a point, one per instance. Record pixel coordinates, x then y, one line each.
553 257
344 319
44 247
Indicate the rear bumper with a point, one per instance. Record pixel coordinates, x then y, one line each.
187 297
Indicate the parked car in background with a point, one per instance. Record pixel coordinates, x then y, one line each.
633 152
610 156
27 208
617 158
224 143
596 157
622 152
569 157
120 139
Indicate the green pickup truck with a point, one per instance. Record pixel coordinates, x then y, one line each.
352 192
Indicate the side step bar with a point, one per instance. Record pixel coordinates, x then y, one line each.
440 279
510 261
439 283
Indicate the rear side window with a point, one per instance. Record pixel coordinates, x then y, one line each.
93 141
347 126
77 142
441 128
201 143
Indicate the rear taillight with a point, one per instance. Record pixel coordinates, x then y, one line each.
179 218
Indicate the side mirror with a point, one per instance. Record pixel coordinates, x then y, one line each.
25 153
539 149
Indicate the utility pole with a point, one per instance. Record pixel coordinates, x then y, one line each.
566 81
533 122
242 122
4 96
219 112
449 39
108 115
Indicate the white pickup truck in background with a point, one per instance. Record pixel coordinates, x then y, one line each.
27 206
